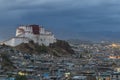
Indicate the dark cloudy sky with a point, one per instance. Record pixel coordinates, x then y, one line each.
64 17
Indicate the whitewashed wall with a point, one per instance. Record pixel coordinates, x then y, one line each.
45 37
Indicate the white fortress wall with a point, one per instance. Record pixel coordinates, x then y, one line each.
31 32
16 41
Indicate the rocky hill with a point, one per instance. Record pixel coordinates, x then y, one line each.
59 48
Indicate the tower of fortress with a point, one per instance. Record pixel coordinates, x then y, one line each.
34 33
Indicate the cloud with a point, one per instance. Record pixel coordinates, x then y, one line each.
61 15
23 6
59 4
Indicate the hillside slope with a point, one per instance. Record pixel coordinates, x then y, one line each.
59 48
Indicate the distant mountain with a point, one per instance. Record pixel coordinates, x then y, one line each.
98 36
95 36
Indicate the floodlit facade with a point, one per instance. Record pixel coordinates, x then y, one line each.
34 33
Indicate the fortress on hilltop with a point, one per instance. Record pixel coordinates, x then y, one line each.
34 33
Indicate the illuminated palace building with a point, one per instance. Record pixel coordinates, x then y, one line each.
34 33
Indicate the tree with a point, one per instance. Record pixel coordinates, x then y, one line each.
42 48
18 77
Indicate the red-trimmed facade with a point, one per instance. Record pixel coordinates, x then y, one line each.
36 29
